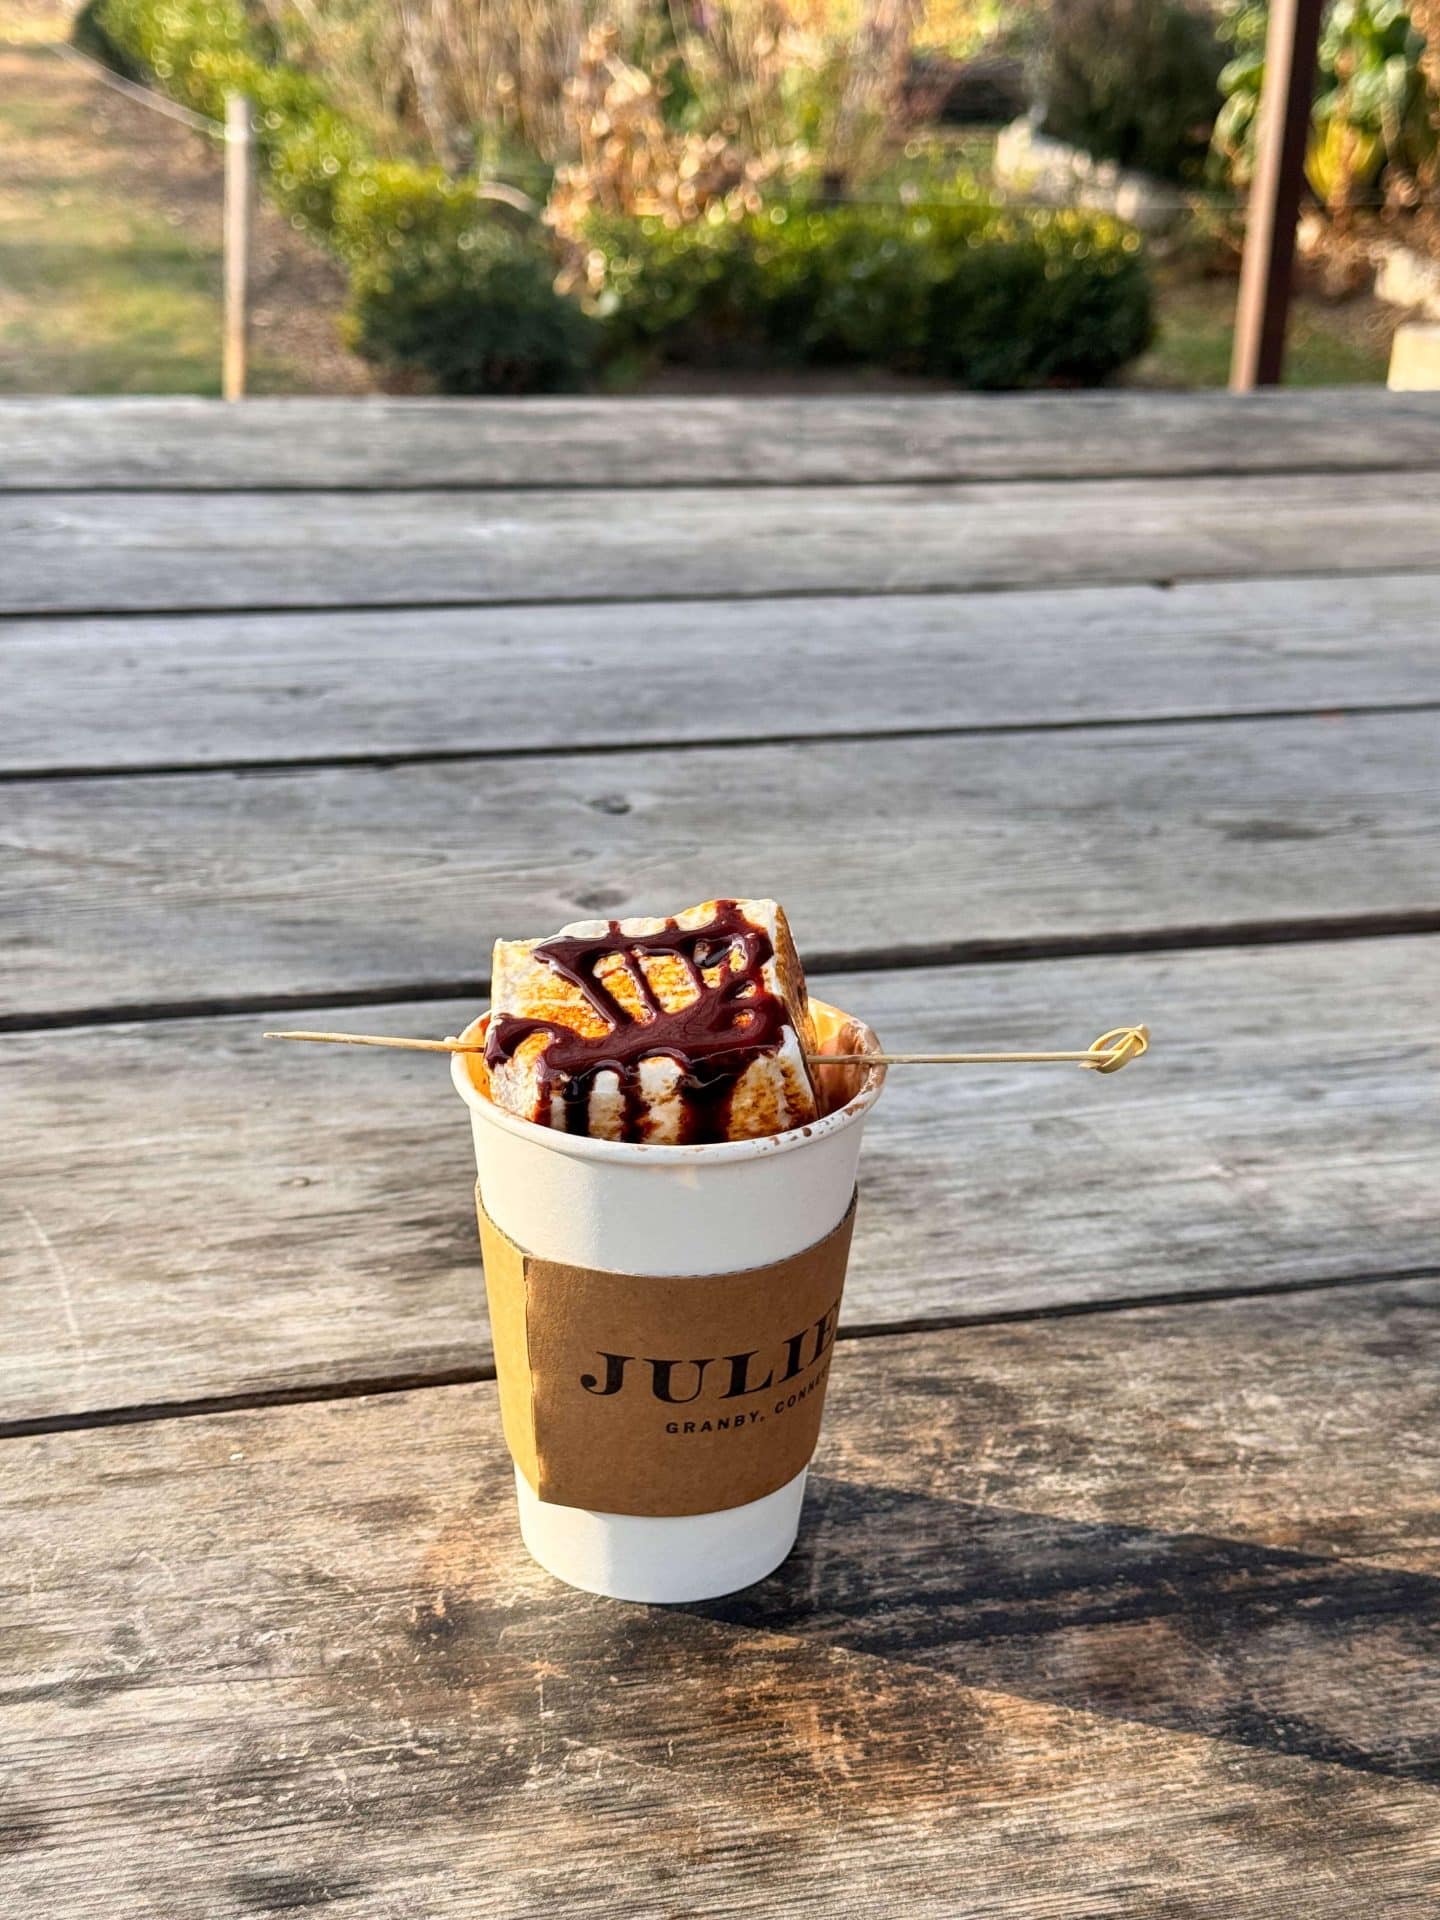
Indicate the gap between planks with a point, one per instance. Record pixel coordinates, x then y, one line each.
377 760
318 1392
731 483
1241 933
930 590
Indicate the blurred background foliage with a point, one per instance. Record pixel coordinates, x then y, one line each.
528 194
1374 116
1134 81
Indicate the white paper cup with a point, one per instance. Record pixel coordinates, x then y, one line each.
674 1211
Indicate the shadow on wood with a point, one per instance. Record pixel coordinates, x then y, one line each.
1296 1653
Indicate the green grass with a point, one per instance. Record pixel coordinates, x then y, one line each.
1329 345
98 296
94 299
110 270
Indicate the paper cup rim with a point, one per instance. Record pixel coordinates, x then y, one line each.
638 1154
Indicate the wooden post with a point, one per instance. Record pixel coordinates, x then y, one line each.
239 217
1269 259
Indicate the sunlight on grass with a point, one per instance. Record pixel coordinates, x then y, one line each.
97 293
94 299
1330 345
34 22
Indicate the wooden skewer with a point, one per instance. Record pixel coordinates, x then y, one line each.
1108 1054
384 1040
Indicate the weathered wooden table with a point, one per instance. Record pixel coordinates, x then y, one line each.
1120 1586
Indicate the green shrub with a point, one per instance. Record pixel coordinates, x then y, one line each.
475 313
386 206
968 292
442 286
850 283
89 36
309 157
194 49
1133 81
690 292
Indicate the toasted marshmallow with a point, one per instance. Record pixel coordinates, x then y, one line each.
662 1031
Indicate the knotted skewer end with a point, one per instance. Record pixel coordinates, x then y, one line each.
1118 1048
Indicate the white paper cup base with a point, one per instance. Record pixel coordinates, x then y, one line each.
629 1556
678 1212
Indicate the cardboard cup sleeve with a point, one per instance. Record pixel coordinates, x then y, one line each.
645 1394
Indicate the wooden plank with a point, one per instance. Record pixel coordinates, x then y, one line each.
190 1213
101 552
91 693
1108 1617
697 440
135 891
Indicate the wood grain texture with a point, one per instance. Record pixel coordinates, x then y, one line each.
103 552
194 691
1090 1620
135 891
598 442
190 1213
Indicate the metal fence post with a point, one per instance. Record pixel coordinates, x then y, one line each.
239 219
1263 306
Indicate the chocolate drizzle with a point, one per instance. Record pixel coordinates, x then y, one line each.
712 1039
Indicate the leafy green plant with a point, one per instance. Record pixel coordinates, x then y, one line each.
480 315
1232 141
1374 109
1132 81
968 292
